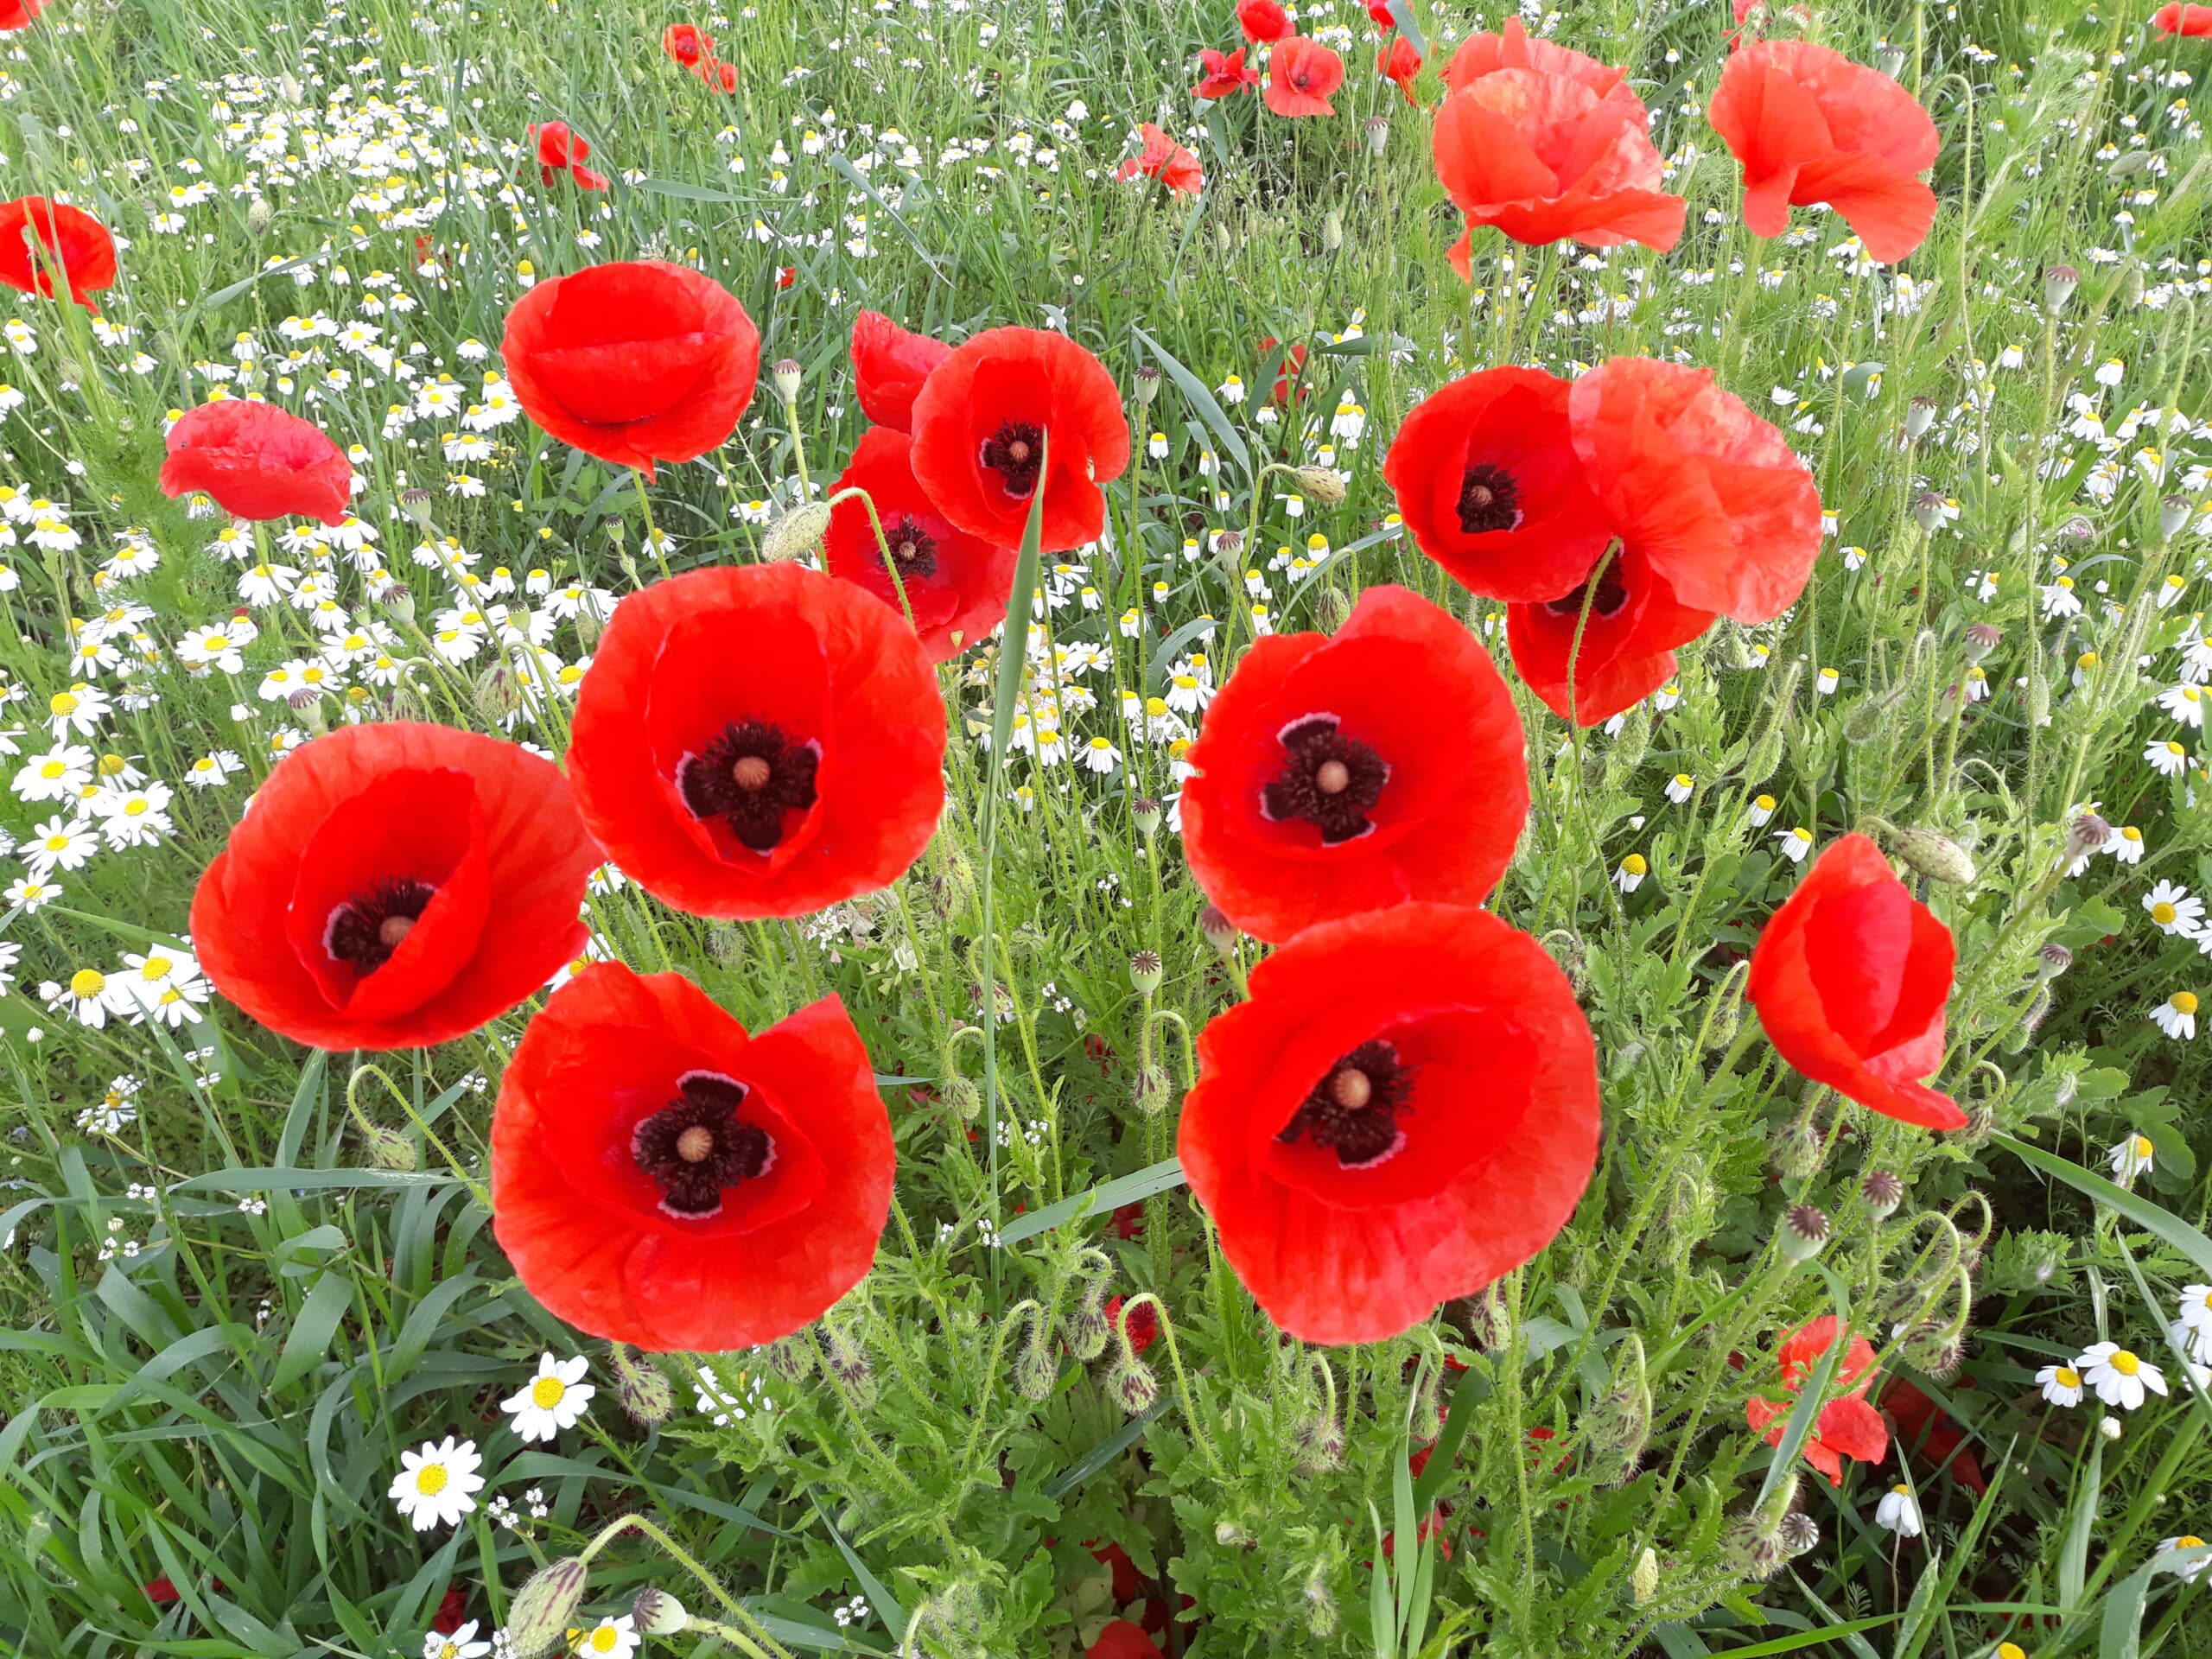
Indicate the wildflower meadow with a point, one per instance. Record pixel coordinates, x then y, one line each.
1016 831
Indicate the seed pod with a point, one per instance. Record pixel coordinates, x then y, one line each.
1146 971
1978 640
1145 813
1919 416
658 1614
1220 932
539 1617
2059 283
1935 856
1881 1191
1800 1532
1378 137
1804 1232
1147 383
797 534
785 375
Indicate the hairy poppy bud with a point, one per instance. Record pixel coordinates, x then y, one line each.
1804 1232
963 1096
2059 283
1322 484
1643 1577
260 216
1490 1326
540 1615
1937 857
1332 230
1750 1551
388 1148
640 1386
797 534
792 1359
847 1361
1146 971
1153 1093
1795 1151
784 374
1035 1374
658 1614
1331 610
1132 1383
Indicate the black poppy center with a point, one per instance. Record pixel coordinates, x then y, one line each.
749 777
1354 1109
1328 779
912 549
367 928
1016 452
697 1147
1490 498
1609 600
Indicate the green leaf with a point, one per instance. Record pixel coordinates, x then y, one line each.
1106 1451
885 1604
1191 387
309 1343
2073 1554
1473 1389
1808 1638
2119 1633
698 192
291 1179
1107 1196
1403 11
2158 1223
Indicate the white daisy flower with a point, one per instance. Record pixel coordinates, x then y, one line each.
2173 909
1680 787
611 1638
1899 1512
555 1399
2130 1157
2118 1376
461 1644
2061 1384
2185 703
1630 876
2127 845
436 1482
2169 759
2190 1566
2177 1016
1795 844
1762 809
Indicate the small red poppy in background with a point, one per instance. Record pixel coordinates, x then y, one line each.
1923 1425
1399 64
394 885
1119 1639
256 461
687 43
1224 74
634 362
1144 1323
954 584
981 427
2192 23
68 238
1405 1108
1706 490
1302 76
1847 1426
1632 625
1851 976
1810 126
661 1177
1380 15
1264 22
453 1609
759 741
560 151
1490 487
160 1592
1556 147
786 274
1163 159
1346 774
889 365
1290 369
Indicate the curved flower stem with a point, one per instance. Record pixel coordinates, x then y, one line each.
853 493
763 1647
1574 722
1182 1382
652 535
481 1194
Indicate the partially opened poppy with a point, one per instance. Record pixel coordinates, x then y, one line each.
954 584
1632 625
1709 494
1406 1108
981 429
1847 1426
889 365
1490 487
634 362
1810 126
68 239
1553 148
1302 76
1399 64
661 1177
1224 74
1264 22
1345 774
560 151
1851 976
394 885
256 461
687 43
1164 159
759 741
2192 23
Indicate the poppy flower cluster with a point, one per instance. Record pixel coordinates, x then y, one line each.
1847 1426
693 47
1302 74
70 242
560 151
1626 509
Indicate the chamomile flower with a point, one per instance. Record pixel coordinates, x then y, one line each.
461 1644
2190 1566
2168 759
2132 1156
2173 909
1680 787
2185 703
2120 1376
555 1399
1899 1511
1630 876
2061 1384
435 1483
2177 1016
611 1638
1795 843
2126 844
1762 809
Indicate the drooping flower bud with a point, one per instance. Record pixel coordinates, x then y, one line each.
640 1386
1935 856
539 1617
1323 483
797 534
1131 1382
388 1148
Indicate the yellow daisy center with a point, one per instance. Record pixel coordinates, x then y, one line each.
430 1479
2124 1362
2068 1377
547 1392
1634 864
2142 1147
2163 913
603 1639
87 982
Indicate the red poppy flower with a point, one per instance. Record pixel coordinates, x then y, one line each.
954 584
1380 15
1264 22
1302 75
1405 1108
889 365
1165 160
1223 75
1710 494
1120 1639
786 274
1290 368
256 462
1346 774
160 1592
1144 1323
980 428
1942 1443
560 151
1399 64
1551 148
1847 1426
1628 641
660 1178
1810 126
760 740
453 1609
1850 977
2193 23
634 362
67 236
687 43
1490 485
1128 1583
717 76
394 885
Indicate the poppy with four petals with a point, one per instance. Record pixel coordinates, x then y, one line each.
634 362
661 1177
759 741
1302 76
1847 1426
889 365
560 151
1224 74
394 885
1164 159
1405 1109
254 461
1851 976
68 239
1333 775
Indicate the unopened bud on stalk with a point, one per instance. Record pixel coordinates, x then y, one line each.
1378 134
540 1613
1919 416
1634 738
846 1360
1146 382
1982 1116
1085 1330
1751 1552
1489 1324
1231 1534
1322 484
786 376
1035 1374
1332 230
1331 610
640 1386
2085 835
1619 1425
260 216
1220 932
1146 813
797 534
2059 283
1145 972
1325 1443
1928 511
1881 1191
388 1148
2109 1428
2173 516
1643 1577
1153 1093
1132 1383
1795 1151
1980 639
792 1359
1804 1232
658 1614
1937 857
2130 164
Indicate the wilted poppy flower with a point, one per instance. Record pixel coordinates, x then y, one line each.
1302 75
1847 1426
1399 64
1711 495
1850 977
256 462
980 429
1337 775
1810 126
560 151
1490 487
67 236
634 362
687 43
1165 160
662 1178
1264 22
954 584
1633 625
2194 22
1224 74
1405 1108
759 741
889 365
1554 148
394 885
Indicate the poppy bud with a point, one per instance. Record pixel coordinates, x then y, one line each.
1619 1425
1643 1577
2023 1033
1332 230
1325 1443
1085 1330
539 1617
1133 1385
1804 1232
1320 1606
259 215
1980 639
785 375
1378 134
1490 1326
2130 164
1881 1191
658 1614
1333 610
1800 1532
1146 813
1937 857
1146 381
640 1386
792 1359
388 1148
1919 416
1145 972
1230 1536
1220 932
2052 960
2059 283
1794 1150
1323 483
845 1361
1035 1374
1750 1553
2173 516
798 534
1634 739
